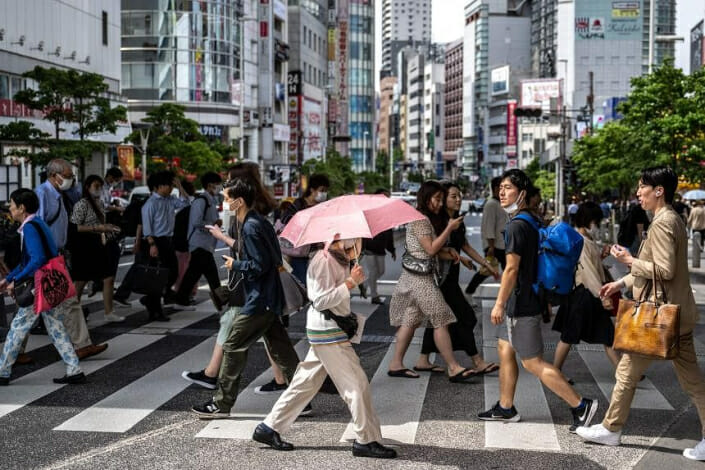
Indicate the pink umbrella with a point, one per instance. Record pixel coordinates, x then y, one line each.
361 216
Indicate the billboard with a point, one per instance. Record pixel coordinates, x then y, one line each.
311 120
499 78
608 20
538 93
697 57
511 147
126 161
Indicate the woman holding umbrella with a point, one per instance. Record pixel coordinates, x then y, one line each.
417 297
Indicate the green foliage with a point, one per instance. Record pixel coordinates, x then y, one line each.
415 177
543 179
198 158
21 131
51 96
663 124
338 169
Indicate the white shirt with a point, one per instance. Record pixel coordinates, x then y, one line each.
325 285
494 220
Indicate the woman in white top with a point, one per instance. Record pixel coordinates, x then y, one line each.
329 281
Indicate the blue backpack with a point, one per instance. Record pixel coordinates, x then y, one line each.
559 251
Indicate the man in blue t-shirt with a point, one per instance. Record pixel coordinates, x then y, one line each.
518 301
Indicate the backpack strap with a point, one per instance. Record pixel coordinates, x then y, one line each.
527 218
205 209
58 213
43 237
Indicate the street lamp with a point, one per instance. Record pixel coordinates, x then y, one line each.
144 141
364 151
242 22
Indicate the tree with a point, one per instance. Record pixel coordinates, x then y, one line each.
50 96
543 179
198 158
663 124
338 169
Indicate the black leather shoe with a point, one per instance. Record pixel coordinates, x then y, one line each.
270 437
79 378
374 450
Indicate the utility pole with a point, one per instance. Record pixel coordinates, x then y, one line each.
391 164
591 102
561 164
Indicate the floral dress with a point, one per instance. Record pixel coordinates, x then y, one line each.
416 297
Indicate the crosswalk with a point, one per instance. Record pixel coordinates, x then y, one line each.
400 403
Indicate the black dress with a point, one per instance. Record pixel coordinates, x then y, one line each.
461 332
583 318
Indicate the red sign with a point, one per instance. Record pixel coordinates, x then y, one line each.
278 190
511 146
263 29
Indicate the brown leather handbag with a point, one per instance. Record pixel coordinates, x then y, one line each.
648 328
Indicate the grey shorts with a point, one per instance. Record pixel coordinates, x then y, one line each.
524 334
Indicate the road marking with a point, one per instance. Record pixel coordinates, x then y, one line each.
536 430
250 409
646 396
34 342
31 387
397 401
116 413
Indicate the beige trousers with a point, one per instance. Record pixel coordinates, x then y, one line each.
75 322
342 364
629 371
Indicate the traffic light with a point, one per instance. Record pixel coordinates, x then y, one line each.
527 112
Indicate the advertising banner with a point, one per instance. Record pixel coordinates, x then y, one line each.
500 80
126 161
511 148
608 20
311 128
538 93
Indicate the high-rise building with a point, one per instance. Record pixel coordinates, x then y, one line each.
404 23
433 125
386 106
64 34
697 46
453 104
544 34
361 85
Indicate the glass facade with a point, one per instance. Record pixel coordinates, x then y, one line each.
361 84
180 50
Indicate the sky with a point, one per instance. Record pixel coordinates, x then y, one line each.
448 25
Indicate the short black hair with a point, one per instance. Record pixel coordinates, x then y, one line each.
316 181
210 177
163 178
188 187
150 182
588 212
27 198
243 189
531 192
494 184
661 176
518 178
114 172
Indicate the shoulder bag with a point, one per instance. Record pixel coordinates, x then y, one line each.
421 266
648 328
348 323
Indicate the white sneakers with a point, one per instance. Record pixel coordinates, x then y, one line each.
111 317
695 453
599 434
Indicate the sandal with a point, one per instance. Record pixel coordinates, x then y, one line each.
460 377
434 368
491 367
403 373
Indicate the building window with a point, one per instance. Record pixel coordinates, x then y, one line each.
105 28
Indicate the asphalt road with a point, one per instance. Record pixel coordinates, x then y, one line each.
134 411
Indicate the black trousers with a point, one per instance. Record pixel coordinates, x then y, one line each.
201 263
167 257
478 278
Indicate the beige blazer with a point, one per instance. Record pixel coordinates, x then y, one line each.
666 247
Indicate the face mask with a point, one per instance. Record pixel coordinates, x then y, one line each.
114 184
66 183
594 232
321 197
514 207
96 193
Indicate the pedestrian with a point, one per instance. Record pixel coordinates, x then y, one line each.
681 208
573 209
696 221
316 191
203 214
494 219
57 196
373 250
260 316
520 304
93 261
585 317
461 332
158 220
665 253
181 242
417 297
633 227
38 248
329 282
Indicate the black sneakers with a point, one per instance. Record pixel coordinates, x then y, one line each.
497 413
583 415
209 410
270 387
308 411
200 378
79 378
374 450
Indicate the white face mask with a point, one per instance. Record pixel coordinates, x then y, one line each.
321 197
66 183
513 208
96 193
594 232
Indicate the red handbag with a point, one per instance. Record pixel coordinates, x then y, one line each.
52 283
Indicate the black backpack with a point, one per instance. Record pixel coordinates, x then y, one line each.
181 235
132 216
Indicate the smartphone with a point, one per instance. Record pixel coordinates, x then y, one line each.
209 227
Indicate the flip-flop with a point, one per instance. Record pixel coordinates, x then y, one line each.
403 373
491 367
434 368
460 378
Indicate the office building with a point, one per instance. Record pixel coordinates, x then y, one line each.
453 104
386 128
361 85
404 23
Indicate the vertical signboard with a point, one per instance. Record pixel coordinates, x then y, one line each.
342 68
294 88
126 161
311 128
511 146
